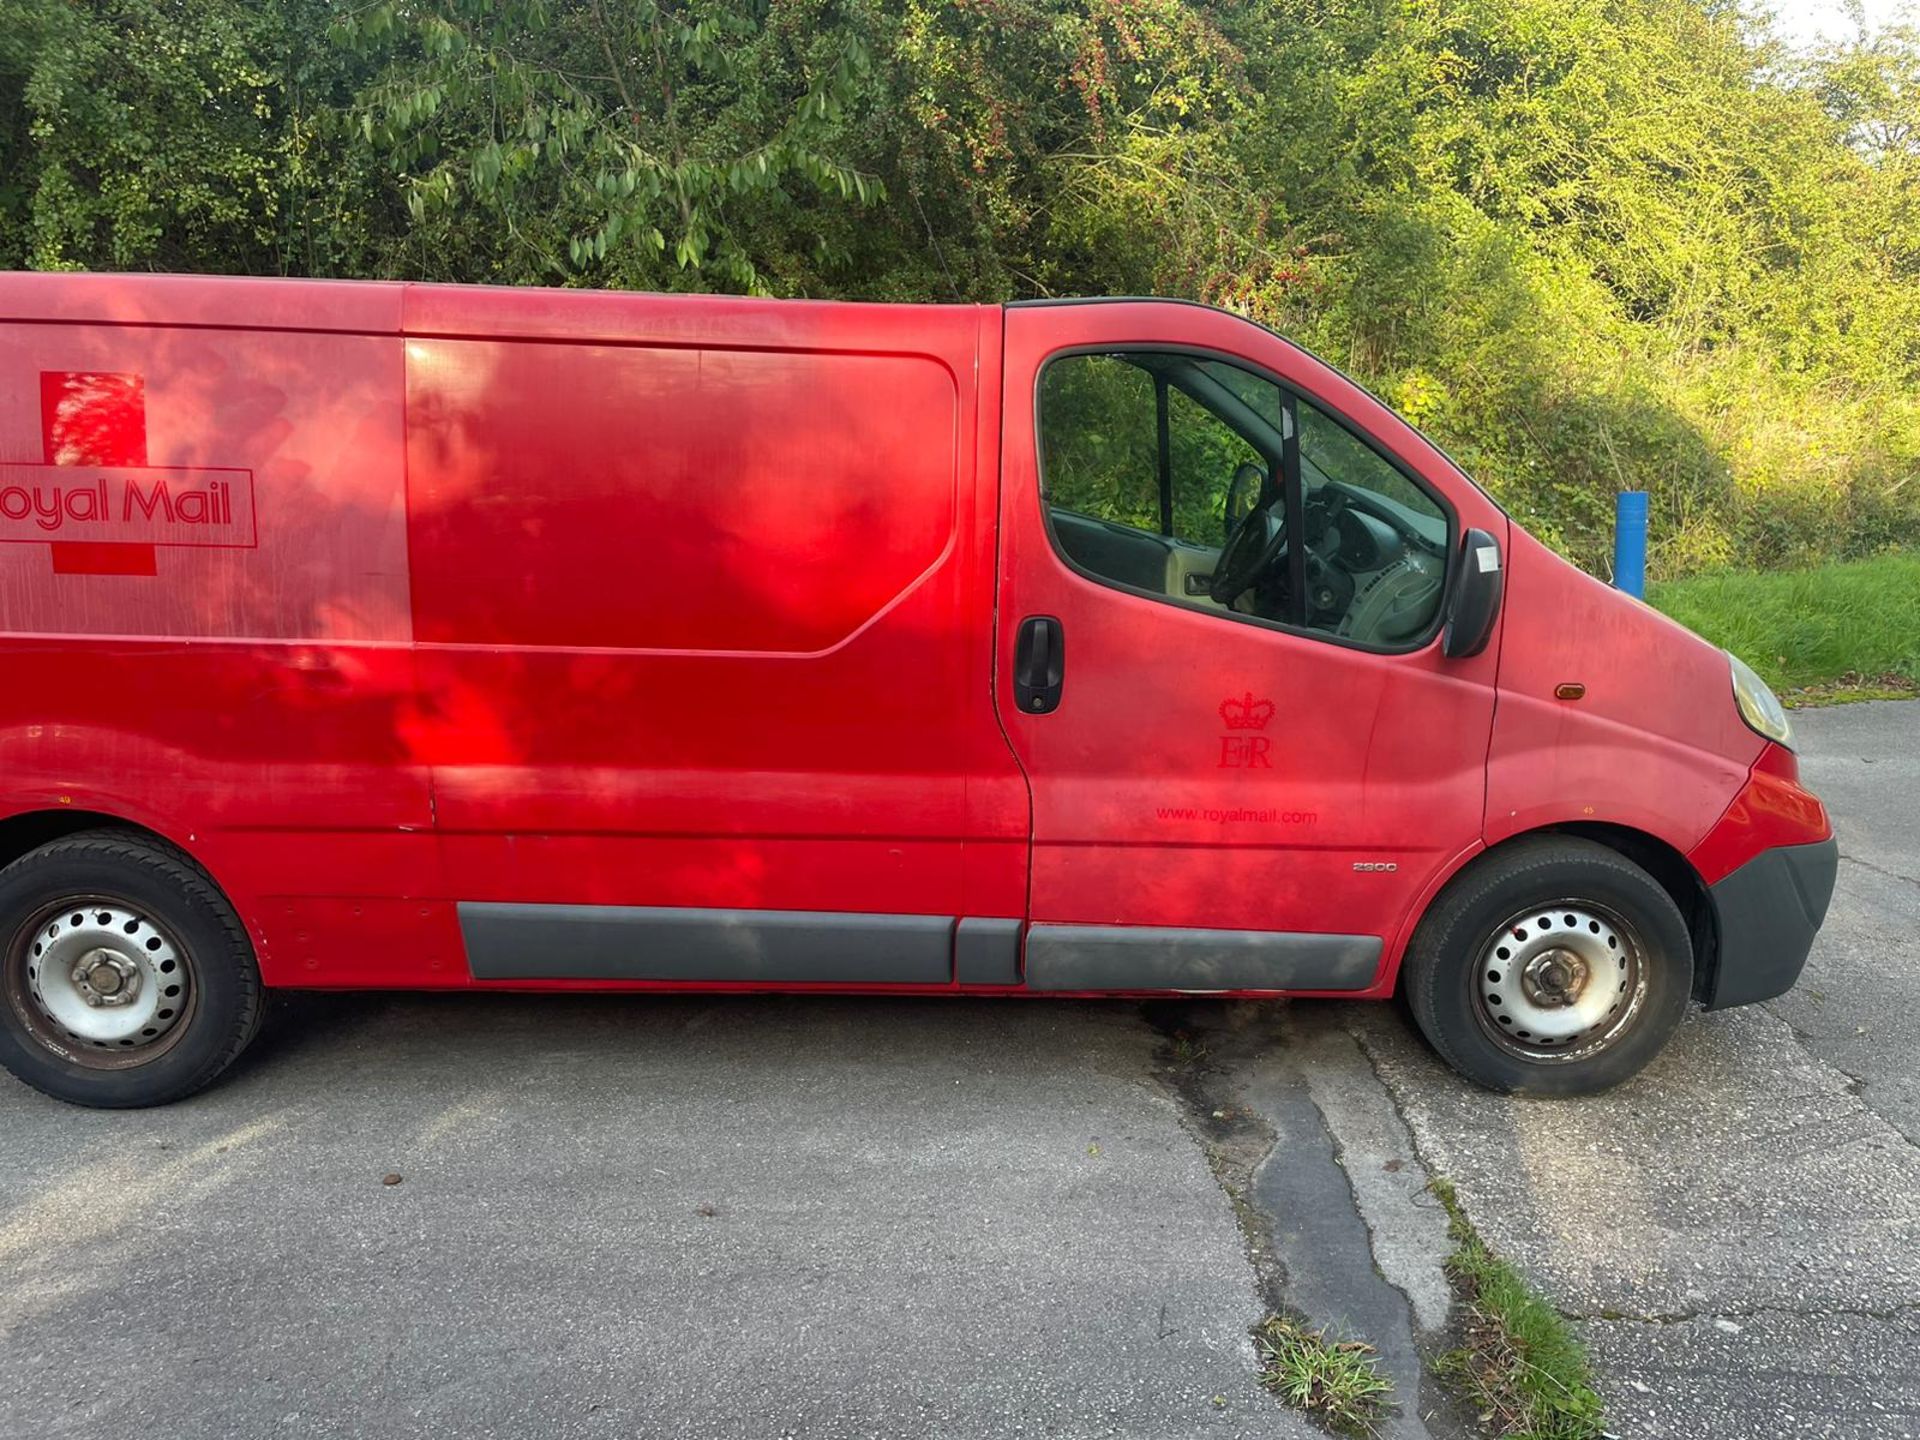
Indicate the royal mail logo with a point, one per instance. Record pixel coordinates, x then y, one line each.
1246 713
95 502
148 505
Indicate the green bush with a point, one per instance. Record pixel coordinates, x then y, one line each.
1855 626
1588 244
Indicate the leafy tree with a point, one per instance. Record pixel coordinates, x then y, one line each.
1587 244
174 134
622 141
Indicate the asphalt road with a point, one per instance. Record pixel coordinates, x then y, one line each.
633 1217
1738 1230
744 1217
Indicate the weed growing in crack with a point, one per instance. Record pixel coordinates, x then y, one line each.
1338 1382
1186 1053
1521 1367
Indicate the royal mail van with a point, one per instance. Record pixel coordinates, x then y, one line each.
380 635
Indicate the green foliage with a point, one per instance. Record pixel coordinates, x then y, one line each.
179 135
1848 630
162 161
1521 1367
621 141
1338 1382
1586 244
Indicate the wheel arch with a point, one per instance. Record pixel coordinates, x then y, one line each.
217 944
25 831
1670 869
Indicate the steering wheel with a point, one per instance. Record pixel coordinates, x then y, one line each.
1257 544
1243 497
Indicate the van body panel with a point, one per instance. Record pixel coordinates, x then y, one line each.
220 302
256 476
205 594
748 670
611 317
1772 811
1374 774
705 502
1653 743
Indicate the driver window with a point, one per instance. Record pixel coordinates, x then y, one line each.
1143 477
1099 441
1171 473
1203 456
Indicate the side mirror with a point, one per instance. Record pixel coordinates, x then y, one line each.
1474 601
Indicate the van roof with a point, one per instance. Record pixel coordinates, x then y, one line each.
393 307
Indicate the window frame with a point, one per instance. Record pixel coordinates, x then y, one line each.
1293 491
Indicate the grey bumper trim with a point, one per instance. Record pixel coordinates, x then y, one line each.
644 942
986 951
1769 910
1130 957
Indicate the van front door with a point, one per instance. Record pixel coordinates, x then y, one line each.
1223 573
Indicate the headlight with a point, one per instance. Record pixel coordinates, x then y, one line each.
1759 706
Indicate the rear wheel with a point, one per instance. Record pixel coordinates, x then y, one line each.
1553 966
125 977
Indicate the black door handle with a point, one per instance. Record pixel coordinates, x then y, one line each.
1039 664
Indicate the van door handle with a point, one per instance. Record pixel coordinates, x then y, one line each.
1039 664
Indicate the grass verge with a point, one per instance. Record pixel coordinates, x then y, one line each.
1521 1367
1337 1382
1840 632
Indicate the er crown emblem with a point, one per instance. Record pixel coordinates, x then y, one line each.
1243 751
1246 713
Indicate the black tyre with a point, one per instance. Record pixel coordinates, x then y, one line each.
1553 966
125 977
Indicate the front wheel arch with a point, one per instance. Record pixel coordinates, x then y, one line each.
1662 861
1676 876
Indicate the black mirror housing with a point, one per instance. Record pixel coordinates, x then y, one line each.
1473 603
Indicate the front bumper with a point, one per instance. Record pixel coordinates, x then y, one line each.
1769 910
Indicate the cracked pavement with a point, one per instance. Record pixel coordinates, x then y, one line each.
719 1216
1737 1231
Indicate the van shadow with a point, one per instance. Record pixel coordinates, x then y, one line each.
442 1045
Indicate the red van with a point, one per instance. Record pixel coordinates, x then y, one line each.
435 637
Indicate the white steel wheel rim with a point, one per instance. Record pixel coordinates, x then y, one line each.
1561 981
111 985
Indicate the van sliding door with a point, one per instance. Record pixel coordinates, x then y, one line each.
704 629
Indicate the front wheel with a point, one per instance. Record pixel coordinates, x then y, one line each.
125 976
1553 966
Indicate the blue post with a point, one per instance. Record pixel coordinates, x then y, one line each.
1630 543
